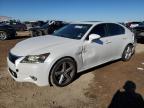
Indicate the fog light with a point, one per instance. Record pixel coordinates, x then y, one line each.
34 78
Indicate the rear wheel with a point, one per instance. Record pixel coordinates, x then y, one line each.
63 72
128 52
3 35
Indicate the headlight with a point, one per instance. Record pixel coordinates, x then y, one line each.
35 58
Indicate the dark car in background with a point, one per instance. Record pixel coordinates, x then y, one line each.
47 28
19 26
7 32
133 24
31 24
139 31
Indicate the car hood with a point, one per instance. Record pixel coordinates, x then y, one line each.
41 44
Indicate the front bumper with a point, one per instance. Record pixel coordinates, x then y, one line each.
34 73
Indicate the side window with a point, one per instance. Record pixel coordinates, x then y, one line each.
99 29
115 29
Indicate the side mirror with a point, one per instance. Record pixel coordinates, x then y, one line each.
93 37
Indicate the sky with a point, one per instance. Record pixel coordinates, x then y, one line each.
74 10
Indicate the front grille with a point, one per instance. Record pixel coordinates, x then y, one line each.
13 58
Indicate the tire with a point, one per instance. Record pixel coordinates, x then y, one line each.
39 33
63 72
34 34
127 53
3 35
45 32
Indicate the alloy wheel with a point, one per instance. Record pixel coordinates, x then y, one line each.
64 73
128 53
3 35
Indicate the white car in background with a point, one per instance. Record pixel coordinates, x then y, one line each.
56 59
132 25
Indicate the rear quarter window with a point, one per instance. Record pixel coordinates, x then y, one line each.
115 29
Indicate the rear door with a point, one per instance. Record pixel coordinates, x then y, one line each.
117 38
108 47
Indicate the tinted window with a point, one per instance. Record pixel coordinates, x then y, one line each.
100 30
115 29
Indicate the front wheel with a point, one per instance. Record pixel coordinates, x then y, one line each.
128 52
3 35
63 72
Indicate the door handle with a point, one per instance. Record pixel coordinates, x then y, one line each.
108 42
124 38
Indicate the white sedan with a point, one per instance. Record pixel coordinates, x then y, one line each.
57 58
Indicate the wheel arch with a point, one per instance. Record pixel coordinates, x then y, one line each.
131 44
4 31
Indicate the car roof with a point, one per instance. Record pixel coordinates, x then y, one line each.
91 22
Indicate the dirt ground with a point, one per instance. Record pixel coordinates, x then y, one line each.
93 88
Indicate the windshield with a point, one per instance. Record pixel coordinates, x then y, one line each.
73 31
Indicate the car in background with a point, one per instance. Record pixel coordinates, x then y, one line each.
31 24
131 25
19 26
47 28
7 32
139 31
56 59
